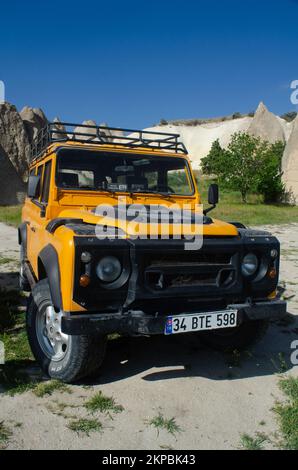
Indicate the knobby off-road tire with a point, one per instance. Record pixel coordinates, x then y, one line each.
64 357
23 281
244 335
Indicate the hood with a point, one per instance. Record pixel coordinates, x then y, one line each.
140 226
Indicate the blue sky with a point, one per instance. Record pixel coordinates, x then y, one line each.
130 63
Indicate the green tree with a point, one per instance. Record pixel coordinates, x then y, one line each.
211 165
242 162
248 165
269 183
235 167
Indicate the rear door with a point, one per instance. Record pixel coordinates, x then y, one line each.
38 209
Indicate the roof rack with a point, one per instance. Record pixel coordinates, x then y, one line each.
102 135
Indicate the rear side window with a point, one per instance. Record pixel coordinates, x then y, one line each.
46 182
39 173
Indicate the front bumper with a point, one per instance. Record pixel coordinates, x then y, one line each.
165 277
136 322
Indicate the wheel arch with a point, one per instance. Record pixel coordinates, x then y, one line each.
22 235
48 267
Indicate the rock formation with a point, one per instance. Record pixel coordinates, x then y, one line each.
290 164
86 130
12 186
34 120
62 134
118 134
14 138
266 125
107 133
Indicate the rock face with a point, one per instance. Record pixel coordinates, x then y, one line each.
14 138
290 163
107 133
117 133
266 125
81 130
34 120
62 131
12 186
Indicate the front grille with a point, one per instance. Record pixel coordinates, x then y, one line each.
176 270
188 258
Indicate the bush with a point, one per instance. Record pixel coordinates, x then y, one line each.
269 183
289 116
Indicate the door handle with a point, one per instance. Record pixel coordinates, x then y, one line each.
33 229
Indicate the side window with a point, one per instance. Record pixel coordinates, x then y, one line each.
39 173
76 179
32 172
46 182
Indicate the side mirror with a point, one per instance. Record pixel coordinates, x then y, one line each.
213 194
212 197
33 186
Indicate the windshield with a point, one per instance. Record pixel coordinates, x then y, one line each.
115 172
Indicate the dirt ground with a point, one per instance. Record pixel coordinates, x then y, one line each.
214 398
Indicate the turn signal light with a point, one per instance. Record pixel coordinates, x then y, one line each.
272 273
272 295
84 280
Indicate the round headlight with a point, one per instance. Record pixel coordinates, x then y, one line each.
249 264
108 269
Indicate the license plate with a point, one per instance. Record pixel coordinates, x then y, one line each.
201 321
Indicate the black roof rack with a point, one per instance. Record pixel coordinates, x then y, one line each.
101 135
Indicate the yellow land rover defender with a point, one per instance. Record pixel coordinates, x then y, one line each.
102 250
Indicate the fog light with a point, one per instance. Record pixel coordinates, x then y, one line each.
272 273
108 269
84 280
249 264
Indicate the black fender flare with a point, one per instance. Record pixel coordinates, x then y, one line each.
49 258
22 235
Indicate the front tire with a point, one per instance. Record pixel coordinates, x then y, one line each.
241 337
61 356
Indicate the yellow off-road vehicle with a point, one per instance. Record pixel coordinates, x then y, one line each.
92 273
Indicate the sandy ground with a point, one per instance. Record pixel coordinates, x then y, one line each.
213 400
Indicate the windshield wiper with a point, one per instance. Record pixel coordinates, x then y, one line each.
149 191
140 191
